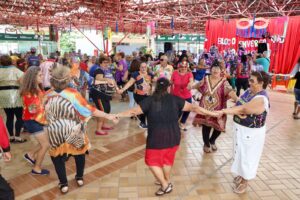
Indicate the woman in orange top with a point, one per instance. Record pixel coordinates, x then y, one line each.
33 116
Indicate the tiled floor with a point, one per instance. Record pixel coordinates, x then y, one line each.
115 168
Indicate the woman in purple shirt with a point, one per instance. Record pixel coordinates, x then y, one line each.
121 71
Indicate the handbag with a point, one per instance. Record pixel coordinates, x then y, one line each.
104 89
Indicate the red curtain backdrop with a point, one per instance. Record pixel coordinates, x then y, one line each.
284 56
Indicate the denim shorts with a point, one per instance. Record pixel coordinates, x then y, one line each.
297 95
33 126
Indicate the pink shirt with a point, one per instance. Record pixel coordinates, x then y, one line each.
180 83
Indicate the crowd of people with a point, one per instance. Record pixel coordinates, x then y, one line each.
53 99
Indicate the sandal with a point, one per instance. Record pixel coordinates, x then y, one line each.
241 188
63 188
162 191
237 180
214 147
19 140
296 117
206 149
79 181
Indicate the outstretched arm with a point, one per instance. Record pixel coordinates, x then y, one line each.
255 106
112 117
199 110
131 112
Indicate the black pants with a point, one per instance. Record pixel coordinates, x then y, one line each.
241 83
10 116
206 133
60 167
138 98
6 192
185 114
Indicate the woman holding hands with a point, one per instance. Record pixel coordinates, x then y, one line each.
162 111
249 119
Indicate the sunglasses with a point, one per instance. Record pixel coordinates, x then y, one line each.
162 59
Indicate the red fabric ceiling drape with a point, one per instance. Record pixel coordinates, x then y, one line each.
284 56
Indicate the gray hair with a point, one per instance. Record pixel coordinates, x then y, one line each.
60 77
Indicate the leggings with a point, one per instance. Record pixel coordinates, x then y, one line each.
60 167
241 83
185 114
138 98
10 116
206 133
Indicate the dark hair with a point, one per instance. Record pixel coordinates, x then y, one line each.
122 54
262 77
5 60
161 88
243 58
215 63
135 66
102 59
143 59
148 56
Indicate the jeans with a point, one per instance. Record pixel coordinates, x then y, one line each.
131 99
60 167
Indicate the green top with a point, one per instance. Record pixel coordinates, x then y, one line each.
265 62
9 76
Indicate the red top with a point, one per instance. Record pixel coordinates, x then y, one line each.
33 108
4 142
83 66
180 83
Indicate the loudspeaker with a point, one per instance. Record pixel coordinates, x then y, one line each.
53 33
262 47
168 46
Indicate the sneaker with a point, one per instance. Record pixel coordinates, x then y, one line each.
142 125
101 133
43 172
28 159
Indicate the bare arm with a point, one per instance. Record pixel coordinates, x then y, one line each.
233 96
100 114
255 106
128 84
131 112
197 109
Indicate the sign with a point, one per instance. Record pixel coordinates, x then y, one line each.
22 37
180 38
249 43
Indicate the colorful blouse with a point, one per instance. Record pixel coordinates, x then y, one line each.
67 113
161 72
9 87
251 121
213 98
33 108
143 83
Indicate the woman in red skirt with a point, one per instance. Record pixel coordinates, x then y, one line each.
162 111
